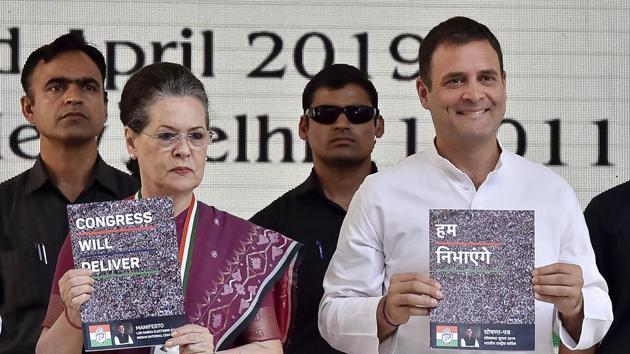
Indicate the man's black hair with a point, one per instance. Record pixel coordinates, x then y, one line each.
67 43
337 76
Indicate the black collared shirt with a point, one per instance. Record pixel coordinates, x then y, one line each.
33 226
608 220
306 215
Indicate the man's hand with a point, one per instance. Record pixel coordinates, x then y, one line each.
409 294
561 284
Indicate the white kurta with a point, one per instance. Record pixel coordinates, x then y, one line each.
386 232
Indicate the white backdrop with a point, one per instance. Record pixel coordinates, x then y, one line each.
568 67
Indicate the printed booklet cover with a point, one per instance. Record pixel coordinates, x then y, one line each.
484 260
131 247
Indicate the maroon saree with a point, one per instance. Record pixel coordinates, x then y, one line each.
235 264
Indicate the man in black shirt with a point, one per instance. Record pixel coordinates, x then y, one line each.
608 220
341 122
66 101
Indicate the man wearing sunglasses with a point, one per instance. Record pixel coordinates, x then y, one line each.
66 102
377 292
341 123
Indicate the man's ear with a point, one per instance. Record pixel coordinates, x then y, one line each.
423 92
106 102
380 127
303 127
27 109
130 141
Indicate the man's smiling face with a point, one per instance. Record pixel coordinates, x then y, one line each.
467 94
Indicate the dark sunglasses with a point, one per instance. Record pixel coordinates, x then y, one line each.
356 114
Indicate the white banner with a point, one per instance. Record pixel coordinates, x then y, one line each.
567 63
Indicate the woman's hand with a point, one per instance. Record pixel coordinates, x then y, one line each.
76 288
191 338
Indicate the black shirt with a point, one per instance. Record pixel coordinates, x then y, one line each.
608 220
307 216
33 226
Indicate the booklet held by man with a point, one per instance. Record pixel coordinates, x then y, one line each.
131 248
484 260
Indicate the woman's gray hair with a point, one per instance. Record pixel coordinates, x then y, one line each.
152 83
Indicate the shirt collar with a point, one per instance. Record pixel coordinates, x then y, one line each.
105 176
447 166
38 176
312 182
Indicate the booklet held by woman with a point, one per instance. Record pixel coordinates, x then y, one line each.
131 248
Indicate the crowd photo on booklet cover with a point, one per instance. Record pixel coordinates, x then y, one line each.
338 264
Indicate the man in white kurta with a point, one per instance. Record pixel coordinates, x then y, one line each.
377 293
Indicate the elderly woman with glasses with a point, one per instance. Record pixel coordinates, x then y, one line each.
231 303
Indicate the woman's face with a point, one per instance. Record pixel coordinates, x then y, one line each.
176 168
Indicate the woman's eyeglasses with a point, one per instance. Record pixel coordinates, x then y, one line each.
199 138
357 114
